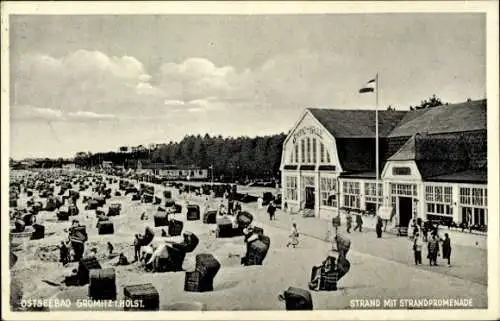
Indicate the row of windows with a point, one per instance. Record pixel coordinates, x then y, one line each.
309 152
404 189
476 196
439 194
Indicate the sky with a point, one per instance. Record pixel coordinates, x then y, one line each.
94 83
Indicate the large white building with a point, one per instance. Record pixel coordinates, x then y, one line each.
433 163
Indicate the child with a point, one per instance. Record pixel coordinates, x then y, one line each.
294 236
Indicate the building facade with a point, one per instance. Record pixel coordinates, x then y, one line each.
433 163
171 172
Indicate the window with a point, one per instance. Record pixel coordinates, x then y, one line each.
328 157
296 153
308 150
438 201
401 171
328 191
322 153
474 202
404 189
291 188
475 196
351 194
370 192
314 151
303 150
291 157
308 181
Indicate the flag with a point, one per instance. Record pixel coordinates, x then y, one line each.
369 87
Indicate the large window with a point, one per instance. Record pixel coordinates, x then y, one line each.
322 153
474 203
351 194
404 189
296 153
370 192
328 191
291 188
308 181
438 202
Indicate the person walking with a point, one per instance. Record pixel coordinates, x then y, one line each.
294 236
271 209
379 226
417 249
137 247
348 220
433 249
359 223
447 248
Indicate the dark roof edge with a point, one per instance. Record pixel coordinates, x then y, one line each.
455 180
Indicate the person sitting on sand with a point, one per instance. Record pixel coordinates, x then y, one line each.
122 260
146 255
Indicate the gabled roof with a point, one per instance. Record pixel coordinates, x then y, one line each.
463 117
357 123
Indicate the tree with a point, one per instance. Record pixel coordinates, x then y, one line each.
430 103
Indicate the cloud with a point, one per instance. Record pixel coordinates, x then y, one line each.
89 116
31 113
82 80
199 78
174 102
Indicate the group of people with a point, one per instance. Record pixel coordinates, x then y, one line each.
418 235
348 218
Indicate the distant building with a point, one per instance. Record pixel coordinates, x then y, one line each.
70 166
433 163
107 164
169 171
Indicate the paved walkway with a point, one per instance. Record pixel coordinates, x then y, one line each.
469 254
468 262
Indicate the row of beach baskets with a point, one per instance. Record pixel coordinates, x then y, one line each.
102 282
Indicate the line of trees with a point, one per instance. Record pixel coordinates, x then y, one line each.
238 158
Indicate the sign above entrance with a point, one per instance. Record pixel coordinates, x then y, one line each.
311 130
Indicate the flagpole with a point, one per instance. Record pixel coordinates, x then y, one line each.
376 144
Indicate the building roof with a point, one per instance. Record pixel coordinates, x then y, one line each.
463 117
369 175
406 152
469 176
434 137
357 123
